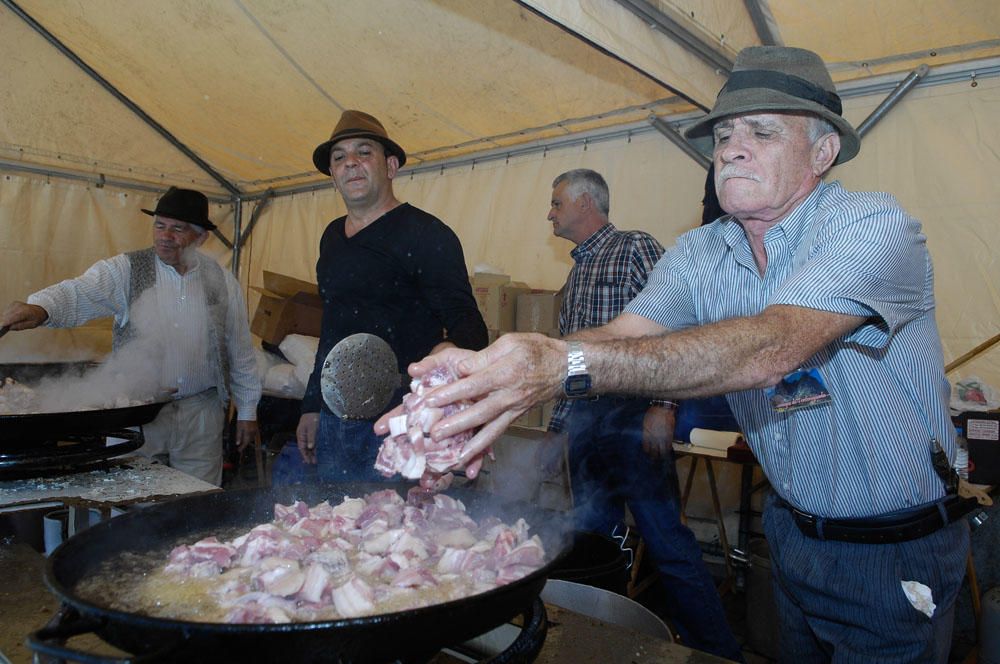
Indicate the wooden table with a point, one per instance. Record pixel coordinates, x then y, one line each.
121 482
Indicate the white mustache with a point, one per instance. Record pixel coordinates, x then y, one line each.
734 171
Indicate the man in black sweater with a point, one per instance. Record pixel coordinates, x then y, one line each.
387 269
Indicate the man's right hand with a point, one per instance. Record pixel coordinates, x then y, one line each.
305 436
23 316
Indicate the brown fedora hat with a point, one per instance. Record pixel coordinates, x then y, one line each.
355 124
778 78
184 205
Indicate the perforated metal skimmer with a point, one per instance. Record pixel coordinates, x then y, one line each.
359 377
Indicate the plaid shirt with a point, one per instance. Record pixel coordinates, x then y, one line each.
610 269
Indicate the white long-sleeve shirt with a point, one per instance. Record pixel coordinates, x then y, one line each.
178 314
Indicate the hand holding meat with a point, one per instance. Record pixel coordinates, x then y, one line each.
500 382
409 449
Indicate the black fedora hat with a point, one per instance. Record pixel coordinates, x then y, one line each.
184 205
355 124
778 78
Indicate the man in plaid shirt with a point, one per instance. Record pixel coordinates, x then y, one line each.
619 446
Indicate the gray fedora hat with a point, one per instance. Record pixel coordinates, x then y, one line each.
778 78
355 124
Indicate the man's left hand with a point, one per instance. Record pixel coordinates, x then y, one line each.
246 433
658 432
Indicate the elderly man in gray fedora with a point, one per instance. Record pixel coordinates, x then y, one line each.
800 283
386 268
186 314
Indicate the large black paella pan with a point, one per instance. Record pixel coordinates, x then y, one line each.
405 635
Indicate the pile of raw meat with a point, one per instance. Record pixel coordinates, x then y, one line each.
409 449
364 556
15 397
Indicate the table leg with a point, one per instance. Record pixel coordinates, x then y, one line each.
743 537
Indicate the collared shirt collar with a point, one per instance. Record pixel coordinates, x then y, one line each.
590 246
793 226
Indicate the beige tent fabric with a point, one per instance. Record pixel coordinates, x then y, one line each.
55 115
252 86
614 28
939 153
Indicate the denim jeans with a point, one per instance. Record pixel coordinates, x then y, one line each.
346 450
608 469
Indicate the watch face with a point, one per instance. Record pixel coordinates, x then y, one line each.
577 386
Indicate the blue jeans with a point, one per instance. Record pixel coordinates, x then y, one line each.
608 470
346 450
843 602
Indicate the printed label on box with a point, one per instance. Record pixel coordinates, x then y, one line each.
982 429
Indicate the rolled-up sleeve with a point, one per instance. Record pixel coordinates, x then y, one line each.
100 291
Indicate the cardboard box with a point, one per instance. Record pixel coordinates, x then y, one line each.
488 279
280 284
538 311
496 296
498 304
287 306
530 418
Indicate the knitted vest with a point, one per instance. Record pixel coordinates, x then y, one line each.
213 280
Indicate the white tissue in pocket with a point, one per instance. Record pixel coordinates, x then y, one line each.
920 597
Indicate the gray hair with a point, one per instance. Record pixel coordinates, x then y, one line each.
582 180
818 127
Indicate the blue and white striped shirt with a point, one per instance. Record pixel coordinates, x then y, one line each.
869 450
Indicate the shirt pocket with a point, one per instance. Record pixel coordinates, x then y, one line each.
603 301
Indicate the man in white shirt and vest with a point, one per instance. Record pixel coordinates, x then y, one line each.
192 313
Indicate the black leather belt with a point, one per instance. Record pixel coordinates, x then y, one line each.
901 527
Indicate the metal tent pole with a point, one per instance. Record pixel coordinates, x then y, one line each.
893 98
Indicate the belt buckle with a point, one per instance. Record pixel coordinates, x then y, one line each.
804 517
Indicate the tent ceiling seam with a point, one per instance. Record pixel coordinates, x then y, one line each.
680 93
982 69
287 56
915 55
117 94
659 21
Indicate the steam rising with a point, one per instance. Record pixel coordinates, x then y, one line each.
133 375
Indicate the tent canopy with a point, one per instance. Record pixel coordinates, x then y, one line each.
108 102
251 86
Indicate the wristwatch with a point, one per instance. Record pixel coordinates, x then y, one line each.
577 382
